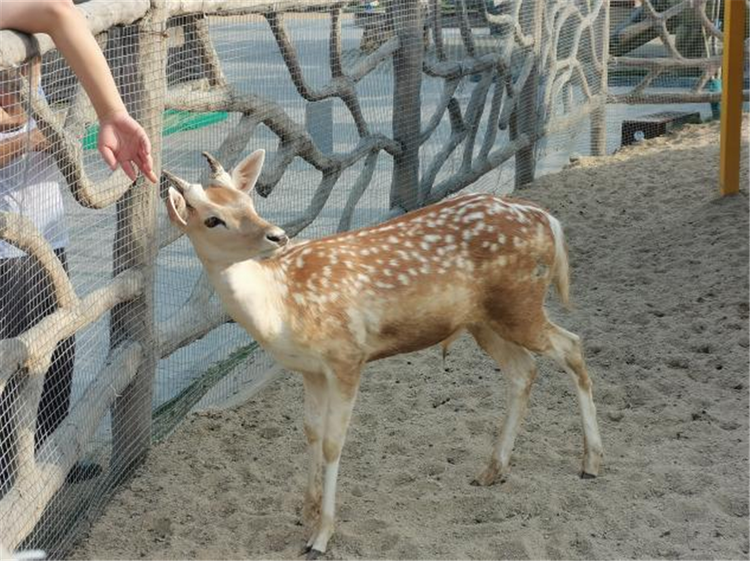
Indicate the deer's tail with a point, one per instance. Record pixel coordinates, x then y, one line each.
560 268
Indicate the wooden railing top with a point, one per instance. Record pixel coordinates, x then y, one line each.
16 48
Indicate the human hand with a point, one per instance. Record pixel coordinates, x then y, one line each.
122 140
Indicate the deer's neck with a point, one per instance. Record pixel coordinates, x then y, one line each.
252 295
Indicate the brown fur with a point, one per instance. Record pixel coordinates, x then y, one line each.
510 295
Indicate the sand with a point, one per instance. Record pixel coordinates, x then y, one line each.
660 285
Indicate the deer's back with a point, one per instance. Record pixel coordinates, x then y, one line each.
413 281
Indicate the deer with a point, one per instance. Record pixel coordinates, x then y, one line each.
326 307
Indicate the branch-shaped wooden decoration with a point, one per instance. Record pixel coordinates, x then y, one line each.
194 319
30 354
466 35
68 153
19 231
357 190
340 86
657 22
561 75
24 504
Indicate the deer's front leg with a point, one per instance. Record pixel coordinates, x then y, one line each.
342 392
316 405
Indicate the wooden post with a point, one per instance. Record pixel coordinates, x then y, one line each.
526 118
136 246
599 115
731 96
406 16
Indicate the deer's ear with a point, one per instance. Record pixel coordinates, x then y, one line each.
246 173
177 208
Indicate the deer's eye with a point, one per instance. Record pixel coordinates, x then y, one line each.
213 222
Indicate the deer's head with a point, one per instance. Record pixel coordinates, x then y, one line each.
221 220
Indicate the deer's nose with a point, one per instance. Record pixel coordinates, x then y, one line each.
279 238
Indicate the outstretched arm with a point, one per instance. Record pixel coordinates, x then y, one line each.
121 139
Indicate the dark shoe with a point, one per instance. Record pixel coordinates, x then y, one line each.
83 471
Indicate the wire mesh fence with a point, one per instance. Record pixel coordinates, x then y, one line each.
109 330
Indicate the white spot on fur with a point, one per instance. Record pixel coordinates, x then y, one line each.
473 216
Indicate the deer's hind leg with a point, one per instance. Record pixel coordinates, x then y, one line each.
519 367
565 348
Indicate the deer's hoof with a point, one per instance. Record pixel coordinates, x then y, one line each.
493 474
585 475
313 554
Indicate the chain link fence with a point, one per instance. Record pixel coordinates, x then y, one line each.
110 333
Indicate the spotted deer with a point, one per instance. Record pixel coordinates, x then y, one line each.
328 306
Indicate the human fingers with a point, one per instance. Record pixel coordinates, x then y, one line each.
129 170
108 156
146 165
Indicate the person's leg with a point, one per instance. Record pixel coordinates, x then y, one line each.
15 294
55 401
54 404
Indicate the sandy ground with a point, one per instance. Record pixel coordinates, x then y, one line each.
660 284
